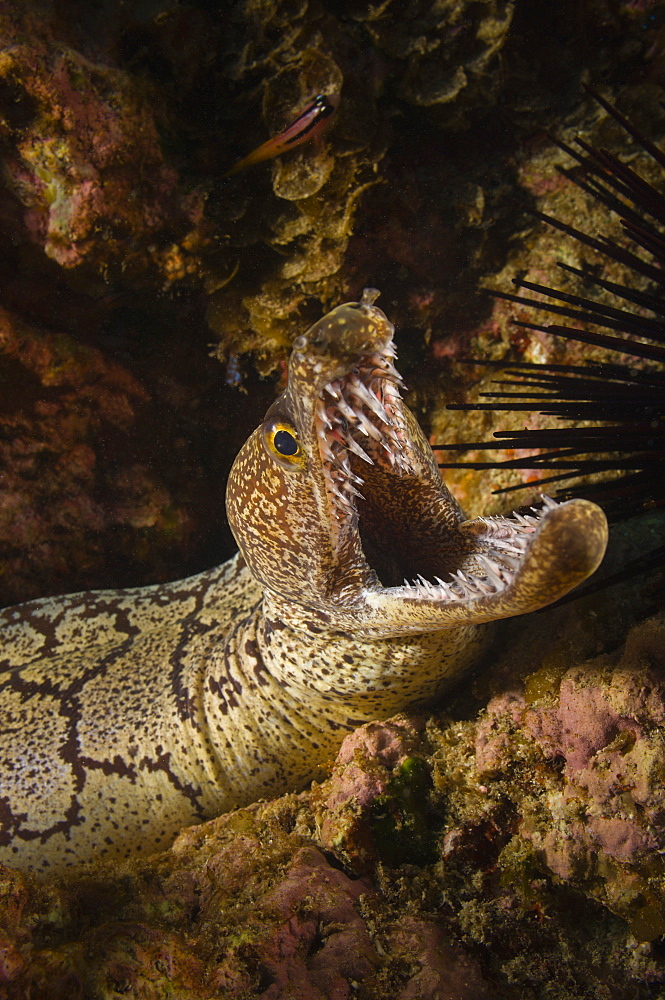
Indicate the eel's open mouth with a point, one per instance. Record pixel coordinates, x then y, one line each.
380 475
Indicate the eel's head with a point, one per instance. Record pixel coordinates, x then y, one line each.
337 503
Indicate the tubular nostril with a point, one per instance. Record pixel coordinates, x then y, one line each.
369 296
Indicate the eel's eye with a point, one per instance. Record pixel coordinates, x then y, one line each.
285 443
281 443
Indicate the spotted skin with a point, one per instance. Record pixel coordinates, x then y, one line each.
129 714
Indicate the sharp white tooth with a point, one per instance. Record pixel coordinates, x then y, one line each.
333 389
494 563
358 480
323 418
346 409
521 519
385 369
361 392
526 520
369 427
548 501
337 434
375 404
492 572
401 461
357 387
445 588
514 547
346 468
357 450
390 434
349 488
467 583
510 562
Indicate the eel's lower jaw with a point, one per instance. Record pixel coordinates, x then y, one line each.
519 564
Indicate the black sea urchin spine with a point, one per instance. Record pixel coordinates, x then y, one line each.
624 448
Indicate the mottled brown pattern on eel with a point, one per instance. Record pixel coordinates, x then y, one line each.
359 590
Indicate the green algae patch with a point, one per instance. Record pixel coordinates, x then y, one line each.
401 818
648 924
543 685
521 869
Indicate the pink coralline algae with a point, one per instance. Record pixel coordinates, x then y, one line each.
446 970
306 934
363 774
599 730
83 158
321 942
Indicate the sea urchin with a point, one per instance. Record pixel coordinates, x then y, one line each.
614 410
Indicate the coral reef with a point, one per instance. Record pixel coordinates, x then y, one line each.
83 158
597 819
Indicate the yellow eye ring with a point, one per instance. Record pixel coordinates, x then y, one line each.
281 442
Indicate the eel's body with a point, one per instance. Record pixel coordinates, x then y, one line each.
127 715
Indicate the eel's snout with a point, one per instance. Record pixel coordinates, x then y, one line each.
341 338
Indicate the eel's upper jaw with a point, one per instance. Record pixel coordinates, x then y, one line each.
364 404
517 565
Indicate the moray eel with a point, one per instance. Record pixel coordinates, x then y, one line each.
359 590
